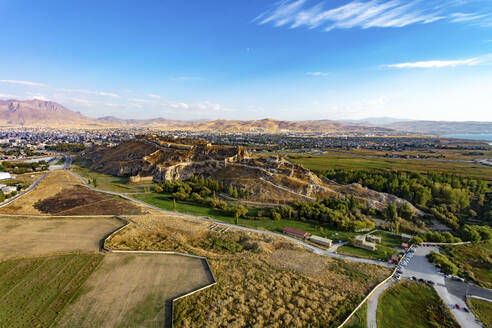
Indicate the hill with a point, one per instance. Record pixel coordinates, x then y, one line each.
442 127
39 113
267 180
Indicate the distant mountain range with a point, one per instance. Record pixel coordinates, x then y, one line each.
39 113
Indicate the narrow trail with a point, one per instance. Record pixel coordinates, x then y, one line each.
372 304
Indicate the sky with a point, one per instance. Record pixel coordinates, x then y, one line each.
251 59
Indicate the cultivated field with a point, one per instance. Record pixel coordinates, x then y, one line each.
134 290
320 162
60 193
412 304
24 237
34 291
262 280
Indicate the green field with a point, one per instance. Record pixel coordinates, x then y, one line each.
359 320
474 261
107 181
411 304
34 291
320 162
384 250
482 309
166 203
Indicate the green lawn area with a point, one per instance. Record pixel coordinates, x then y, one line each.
320 162
107 181
34 291
473 260
482 309
165 202
359 320
411 304
384 250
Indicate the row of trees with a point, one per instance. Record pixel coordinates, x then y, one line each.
67 147
448 197
472 233
342 214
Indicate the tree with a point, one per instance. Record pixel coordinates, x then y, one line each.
174 204
391 212
235 193
158 189
94 182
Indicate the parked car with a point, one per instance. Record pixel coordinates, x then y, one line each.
414 278
421 280
465 309
430 282
457 306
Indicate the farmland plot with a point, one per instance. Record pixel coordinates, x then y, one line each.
135 290
22 237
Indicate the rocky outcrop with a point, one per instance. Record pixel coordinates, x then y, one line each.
271 179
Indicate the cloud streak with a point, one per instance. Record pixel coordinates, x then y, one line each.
442 63
28 83
313 14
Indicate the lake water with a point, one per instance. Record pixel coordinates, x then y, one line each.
485 137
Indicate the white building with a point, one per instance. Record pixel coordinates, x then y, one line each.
9 189
321 241
5 175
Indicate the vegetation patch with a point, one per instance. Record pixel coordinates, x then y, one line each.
473 260
270 282
412 304
80 200
34 291
443 263
359 320
482 309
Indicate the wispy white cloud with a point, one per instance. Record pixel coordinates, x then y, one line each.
28 83
317 73
439 63
154 96
91 92
363 14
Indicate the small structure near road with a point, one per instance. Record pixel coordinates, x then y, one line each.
296 233
361 242
321 241
373 239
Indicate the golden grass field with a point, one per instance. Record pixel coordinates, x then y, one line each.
134 290
24 237
60 193
262 280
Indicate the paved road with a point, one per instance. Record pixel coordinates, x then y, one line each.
31 187
314 249
421 268
372 304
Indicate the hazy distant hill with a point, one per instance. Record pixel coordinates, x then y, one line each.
442 127
39 113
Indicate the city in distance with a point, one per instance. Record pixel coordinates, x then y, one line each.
295 163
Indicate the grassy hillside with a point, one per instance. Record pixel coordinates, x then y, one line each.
411 304
474 261
482 309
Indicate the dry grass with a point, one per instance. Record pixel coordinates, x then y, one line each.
134 290
60 193
262 280
23 237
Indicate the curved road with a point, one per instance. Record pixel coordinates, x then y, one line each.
29 189
314 249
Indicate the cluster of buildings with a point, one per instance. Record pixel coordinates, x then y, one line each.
366 241
307 236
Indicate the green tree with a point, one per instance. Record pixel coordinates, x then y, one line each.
391 212
174 204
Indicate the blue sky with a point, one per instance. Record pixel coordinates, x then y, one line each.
293 59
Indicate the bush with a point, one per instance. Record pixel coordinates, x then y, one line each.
443 262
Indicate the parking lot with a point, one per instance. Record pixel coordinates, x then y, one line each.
416 267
